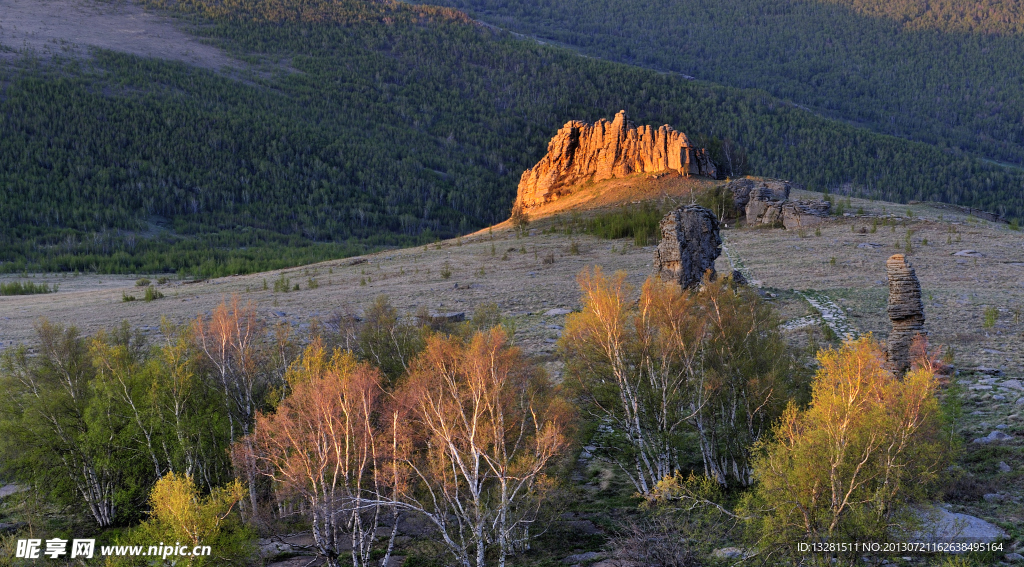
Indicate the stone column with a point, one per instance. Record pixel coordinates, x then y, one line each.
906 312
690 243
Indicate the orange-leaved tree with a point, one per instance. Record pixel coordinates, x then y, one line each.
708 362
479 426
322 446
848 466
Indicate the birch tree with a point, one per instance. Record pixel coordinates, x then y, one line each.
321 446
847 467
672 363
478 426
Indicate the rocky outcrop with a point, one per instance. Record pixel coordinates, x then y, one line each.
801 214
906 312
690 243
582 152
743 190
767 203
764 205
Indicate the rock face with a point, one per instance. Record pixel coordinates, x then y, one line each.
767 203
604 150
801 214
690 243
906 312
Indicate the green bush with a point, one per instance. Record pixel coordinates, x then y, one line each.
991 314
26 288
640 223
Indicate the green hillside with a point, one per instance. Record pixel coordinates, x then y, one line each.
367 125
943 72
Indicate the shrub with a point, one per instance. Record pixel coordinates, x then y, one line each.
991 315
640 223
26 288
142 282
849 466
152 293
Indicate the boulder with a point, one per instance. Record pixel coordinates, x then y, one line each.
764 204
942 526
906 312
690 243
802 214
729 553
769 189
582 152
993 437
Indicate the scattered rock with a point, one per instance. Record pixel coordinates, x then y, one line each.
583 557
993 497
941 525
604 150
969 253
738 277
729 553
1004 468
993 437
1002 426
871 245
989 371
979 387
1020 401
9 489
1014 558
557 311
451 317
1012 385
999 398
6 528
906 312
690 243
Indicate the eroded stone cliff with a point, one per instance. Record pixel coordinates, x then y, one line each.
582 152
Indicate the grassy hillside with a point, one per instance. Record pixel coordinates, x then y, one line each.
368 125
945 72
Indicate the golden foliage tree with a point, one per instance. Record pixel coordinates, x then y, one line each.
708 362
479 425
181 516
846 467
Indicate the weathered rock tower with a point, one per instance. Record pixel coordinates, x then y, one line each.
906 312
690 243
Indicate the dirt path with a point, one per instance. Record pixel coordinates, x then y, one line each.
72 27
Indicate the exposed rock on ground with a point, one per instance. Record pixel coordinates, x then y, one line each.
941 525
582 152
690 243
906 312
767 203
801 214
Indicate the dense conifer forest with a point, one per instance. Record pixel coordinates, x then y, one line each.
362 125
945 73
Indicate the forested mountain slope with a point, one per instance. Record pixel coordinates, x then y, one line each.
370 124
944 72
